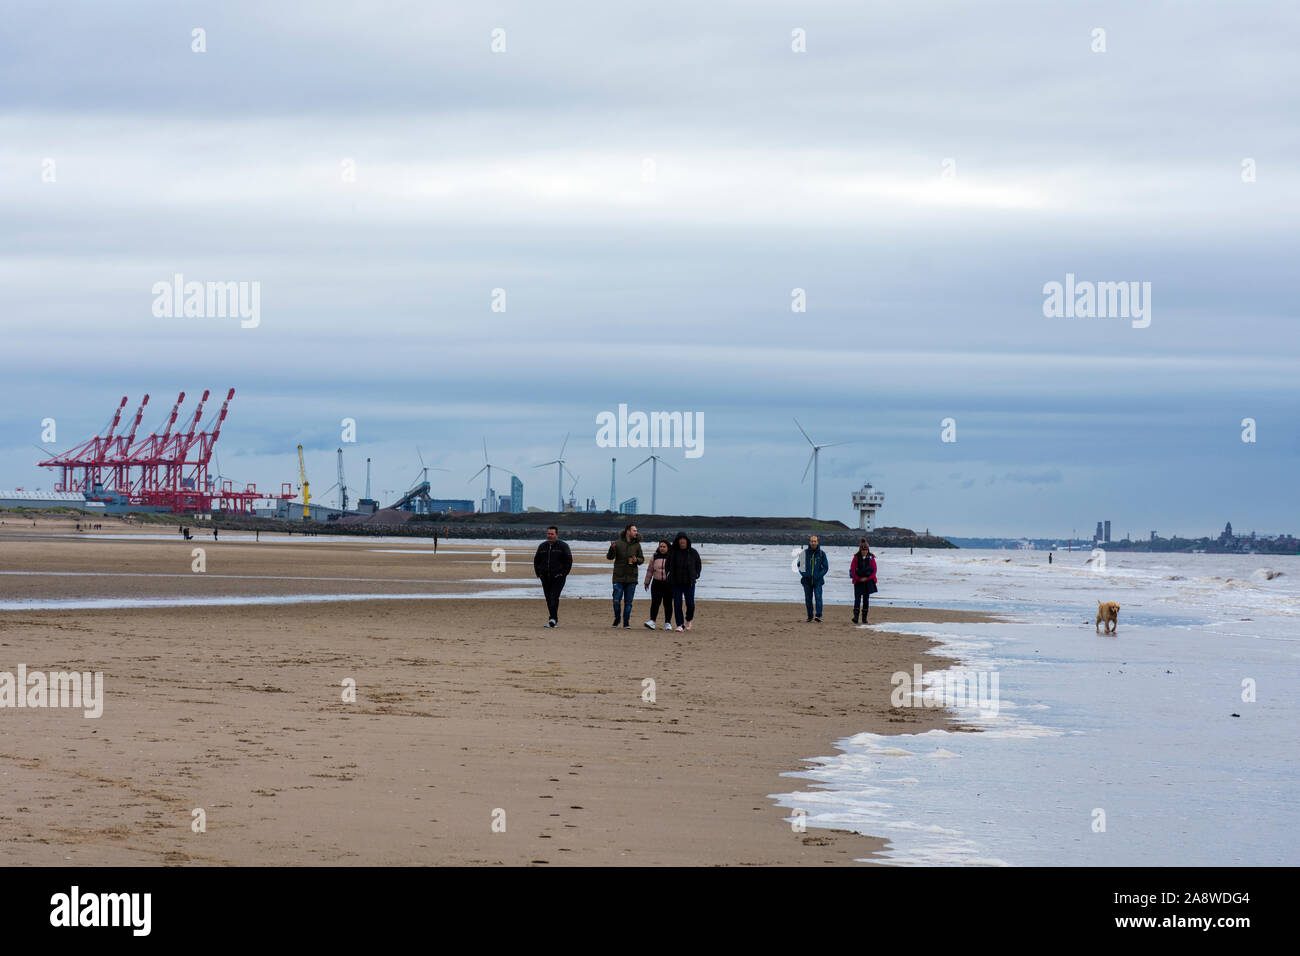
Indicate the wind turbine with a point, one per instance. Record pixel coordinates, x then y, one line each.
221 477
558 462
654 478
343 486
487 466
812 461
423 467
421 504
572 488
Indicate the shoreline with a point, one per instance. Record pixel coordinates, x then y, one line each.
464 706
575 526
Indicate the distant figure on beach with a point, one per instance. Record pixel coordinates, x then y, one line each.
626 555
812 572
1049 557
552 564
863 571
656 582
683 572
257 534
214 534
435 540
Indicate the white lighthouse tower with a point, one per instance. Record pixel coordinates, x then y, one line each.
867 502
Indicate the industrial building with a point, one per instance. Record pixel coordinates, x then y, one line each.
20 498
289 510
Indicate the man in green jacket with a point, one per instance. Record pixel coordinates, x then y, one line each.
626 555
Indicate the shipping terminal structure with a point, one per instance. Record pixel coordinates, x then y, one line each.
165 471
170 471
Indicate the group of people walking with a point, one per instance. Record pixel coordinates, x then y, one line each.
670 574
813 566
672 571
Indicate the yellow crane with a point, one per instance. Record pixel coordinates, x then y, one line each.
306 488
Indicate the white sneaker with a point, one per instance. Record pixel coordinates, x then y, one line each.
551 623
651 625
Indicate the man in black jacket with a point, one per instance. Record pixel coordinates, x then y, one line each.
683 572
552 564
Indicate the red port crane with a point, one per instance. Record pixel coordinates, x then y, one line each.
164 471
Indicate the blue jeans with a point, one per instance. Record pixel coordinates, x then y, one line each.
810 591
624 592
686 593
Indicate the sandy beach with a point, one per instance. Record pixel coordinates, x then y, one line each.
464 707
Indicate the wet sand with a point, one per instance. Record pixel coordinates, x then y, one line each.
465 707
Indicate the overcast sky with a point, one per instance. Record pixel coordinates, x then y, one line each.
921 171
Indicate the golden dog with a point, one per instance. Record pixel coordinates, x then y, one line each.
1108 614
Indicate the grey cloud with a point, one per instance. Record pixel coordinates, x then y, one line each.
774 171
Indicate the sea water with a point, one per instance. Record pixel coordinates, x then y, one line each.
1170 742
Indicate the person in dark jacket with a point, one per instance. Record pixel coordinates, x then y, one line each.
863 571
812 572
656 582
552 564
683 572
626 555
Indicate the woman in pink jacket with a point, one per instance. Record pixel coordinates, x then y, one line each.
863 571
656 572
